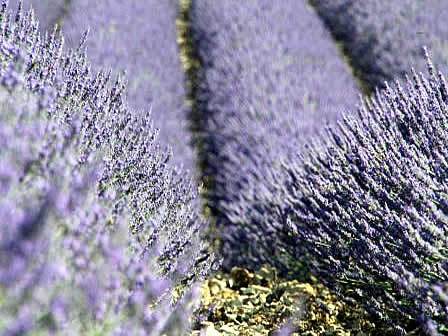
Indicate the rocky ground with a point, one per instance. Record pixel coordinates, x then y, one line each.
258 304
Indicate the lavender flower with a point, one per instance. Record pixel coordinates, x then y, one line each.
139 37
75 163
49 12
136 166
383 38
65 269
370 204
265 84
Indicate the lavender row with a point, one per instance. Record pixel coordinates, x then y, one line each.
372 208
78 168
384 38
266 82
139 37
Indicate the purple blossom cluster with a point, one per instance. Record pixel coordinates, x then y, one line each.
78 170
266 83
369 203
139 38
49 12
383 38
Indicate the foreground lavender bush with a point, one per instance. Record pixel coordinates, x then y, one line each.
383 38
65 268
77 166
371 206
139 37
265 84
163 201
62 269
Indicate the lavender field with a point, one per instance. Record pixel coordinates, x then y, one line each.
146 146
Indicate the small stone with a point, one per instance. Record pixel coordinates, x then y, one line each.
298 288
258 279
268 273
215 282
241 277
233 317
248 291
238 301
260 288
214 290
228 330
210 330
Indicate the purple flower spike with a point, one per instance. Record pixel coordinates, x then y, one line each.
49 12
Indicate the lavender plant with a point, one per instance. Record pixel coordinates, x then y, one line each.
164 200
72 188
265 84
383 39
369 204
139 37
65 268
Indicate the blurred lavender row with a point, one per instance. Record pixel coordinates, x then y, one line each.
383 38
372 208
269 78
139 37
78 168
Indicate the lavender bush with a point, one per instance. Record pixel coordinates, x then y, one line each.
77 166
65 269
265 84
369 203
62 267
139 37
384 38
